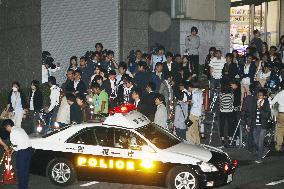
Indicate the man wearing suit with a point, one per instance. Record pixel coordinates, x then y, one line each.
157 76
110 86
166 89
149 101
79 85
136 96
125 90
170 65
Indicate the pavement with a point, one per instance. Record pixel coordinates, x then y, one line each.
249 175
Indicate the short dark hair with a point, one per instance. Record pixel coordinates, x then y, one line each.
52 80
109 52
78 71
218 51
194 29
159 64
73 57
255 31
81 97
71 97
138 51
112 72
151 85
273 47
137 91
230 55
179 95
99 44
83 58
35 83
263 91
7 122
193 84
167 75
122 65
160 97
96 86
169 54
142 64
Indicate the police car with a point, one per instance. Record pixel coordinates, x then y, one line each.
127 148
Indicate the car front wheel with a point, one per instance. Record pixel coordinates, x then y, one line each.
61 172
182 178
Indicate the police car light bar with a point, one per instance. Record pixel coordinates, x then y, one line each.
124 108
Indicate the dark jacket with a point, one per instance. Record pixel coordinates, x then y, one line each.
107 87
68 85
37 100
76 114
121 97
249 110
174 69
251 73
230 71
141 79
81 88
156 79
23 99
149 102
265 114
87 73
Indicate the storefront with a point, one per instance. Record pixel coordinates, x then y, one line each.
249 15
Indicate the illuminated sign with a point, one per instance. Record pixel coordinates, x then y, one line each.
113 164
106 164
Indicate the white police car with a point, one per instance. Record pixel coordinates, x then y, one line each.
128 148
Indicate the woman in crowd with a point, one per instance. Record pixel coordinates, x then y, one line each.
35 102
17 104
161 115
208 58
226 116
181 114
73 63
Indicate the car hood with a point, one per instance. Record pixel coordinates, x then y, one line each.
191 150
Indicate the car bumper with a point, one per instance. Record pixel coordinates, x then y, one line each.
214 179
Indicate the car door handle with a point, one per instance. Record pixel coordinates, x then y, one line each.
116 153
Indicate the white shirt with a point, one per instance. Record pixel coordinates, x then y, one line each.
170 66
45 73
54 97
32 101
217 66
63 115
197 100
76 84
19 139
186 94
279 99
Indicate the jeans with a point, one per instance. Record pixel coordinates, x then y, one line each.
259 135
23 159
181 133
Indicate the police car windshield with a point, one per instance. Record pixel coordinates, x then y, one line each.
56 131
158 136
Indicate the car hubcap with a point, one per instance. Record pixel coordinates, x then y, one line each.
61 173
185 180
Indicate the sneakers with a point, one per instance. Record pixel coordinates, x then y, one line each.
258 161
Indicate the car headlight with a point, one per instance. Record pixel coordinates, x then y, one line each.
207 167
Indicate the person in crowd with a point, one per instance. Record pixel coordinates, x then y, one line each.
149 101
171 66
209 57
136 97
237 59
110 86
98 79
185 93
133 66
76 115
279 99
97 72
124 90
192 43
181 114
73 63
159 57
186 64
256 42
48 69
281 51
264 75
79 85
261 118
63 114
86 69
69 83
22 145
158 76
264 49
100 99
142 77
166 89
248 114
178 59
274 57
109 63
236 90
273 81
81 101
230 69
122 68
99 47
195 112
226 114
247 74
35 102
17 104
96 59
161 115
54 97
216 66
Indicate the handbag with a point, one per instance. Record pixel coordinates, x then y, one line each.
187 121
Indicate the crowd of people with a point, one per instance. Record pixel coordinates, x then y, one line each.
166 88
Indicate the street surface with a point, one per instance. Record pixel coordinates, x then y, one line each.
249 175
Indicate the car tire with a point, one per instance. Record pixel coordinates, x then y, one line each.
61 172
182 177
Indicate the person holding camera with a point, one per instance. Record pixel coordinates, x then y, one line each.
17 104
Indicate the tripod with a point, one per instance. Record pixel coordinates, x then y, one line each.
240 127
212 105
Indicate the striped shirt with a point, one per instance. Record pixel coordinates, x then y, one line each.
226 102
